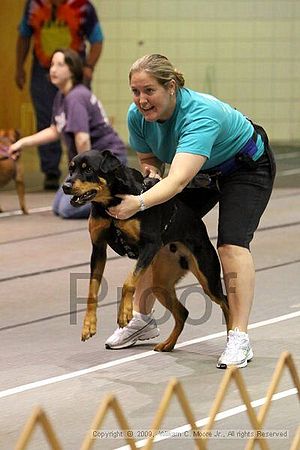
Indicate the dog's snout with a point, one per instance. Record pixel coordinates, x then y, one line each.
67 187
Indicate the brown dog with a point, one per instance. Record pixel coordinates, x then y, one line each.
10 169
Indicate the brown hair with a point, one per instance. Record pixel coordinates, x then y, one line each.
74 62
160 68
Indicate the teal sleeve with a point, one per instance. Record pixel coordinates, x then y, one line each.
136 138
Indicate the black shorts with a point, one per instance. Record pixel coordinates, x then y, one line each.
242 197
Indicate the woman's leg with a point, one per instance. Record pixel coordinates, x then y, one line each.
244 197
239 275
143 298
142 326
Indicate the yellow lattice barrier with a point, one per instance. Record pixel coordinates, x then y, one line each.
174 387
38 417
110 402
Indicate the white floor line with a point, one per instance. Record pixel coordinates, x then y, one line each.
288 172
128 359
220 416
18 212
287 155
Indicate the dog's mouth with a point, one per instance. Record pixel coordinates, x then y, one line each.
79 200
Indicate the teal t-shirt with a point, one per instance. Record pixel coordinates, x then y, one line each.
201 124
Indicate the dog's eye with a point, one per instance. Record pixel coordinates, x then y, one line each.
85 167
88 169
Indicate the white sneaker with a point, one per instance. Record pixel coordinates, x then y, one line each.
138 329
238 351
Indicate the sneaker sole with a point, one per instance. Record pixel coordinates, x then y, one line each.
239 366
131 342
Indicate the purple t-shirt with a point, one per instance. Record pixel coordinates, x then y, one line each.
81 111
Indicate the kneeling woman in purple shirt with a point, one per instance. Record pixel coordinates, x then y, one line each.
79 118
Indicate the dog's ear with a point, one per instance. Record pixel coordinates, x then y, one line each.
17 134
114 170
109 162
121 182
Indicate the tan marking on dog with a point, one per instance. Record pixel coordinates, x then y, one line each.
125 312
130 227
103 193
96 226
194 268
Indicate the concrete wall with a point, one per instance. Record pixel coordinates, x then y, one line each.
245 52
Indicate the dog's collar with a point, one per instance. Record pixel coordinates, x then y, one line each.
128 250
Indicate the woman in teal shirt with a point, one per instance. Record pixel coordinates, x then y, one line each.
197 132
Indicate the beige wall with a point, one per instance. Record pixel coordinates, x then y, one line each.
246 52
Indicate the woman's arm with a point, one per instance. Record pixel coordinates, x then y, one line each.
82 141
183 168
42 137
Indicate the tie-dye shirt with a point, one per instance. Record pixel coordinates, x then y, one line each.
66 25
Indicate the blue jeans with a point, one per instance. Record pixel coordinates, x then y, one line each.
62 207
42 94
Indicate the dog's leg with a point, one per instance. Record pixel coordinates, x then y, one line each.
20 187
167 271
126 306
204 263
98 261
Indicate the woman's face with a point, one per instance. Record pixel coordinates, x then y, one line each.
60 74
154 101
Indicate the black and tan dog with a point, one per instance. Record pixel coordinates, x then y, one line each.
10 169
169 237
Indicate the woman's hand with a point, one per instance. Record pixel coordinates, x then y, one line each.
129 206
152 172
151 166
14 150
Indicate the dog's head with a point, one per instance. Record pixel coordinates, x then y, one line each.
92 175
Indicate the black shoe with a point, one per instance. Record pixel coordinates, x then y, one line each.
51 182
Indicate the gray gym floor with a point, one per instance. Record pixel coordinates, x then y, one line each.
43 361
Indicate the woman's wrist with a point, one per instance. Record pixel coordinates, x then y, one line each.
142 204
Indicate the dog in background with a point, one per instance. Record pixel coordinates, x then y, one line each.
170 238
9 168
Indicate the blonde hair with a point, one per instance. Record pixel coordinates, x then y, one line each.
160 68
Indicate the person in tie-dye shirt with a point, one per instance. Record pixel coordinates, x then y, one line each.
54 24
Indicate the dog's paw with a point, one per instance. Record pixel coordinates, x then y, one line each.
89 327
166 346
124 317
